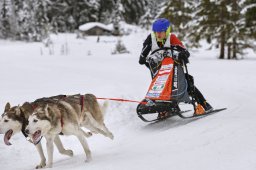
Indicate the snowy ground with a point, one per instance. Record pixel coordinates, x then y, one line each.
223 141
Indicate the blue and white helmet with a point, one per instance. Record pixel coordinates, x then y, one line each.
161 25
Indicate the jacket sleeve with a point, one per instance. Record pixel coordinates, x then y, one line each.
175 41
184 53
145 50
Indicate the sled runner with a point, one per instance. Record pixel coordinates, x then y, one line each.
181 115
201 115
169 87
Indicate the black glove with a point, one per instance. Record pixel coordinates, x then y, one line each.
183 56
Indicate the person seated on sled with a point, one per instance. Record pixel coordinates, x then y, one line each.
162 37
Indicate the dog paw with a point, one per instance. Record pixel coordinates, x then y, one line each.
88 159
89 134
69 153
111 136
48 166
40 166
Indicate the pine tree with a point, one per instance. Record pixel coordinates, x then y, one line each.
103 9
31 20
14 29
152 11
249 11
202 24
26 21
56 14
117 17
80 12
41 20
133 10
233 26
223 24
69 15
5 21
209 22
236 26
179 14
17 6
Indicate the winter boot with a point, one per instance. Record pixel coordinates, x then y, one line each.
207 107
203 108
199 110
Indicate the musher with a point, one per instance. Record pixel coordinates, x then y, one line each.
162 37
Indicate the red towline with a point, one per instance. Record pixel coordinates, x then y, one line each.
120 100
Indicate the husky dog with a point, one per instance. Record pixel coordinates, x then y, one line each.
91 115
14 120
67 116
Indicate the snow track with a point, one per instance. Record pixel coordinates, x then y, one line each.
222 141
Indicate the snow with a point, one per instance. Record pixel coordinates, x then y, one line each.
90 25
244 10
222 141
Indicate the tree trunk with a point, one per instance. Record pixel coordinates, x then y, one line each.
234 49
229 51
222 45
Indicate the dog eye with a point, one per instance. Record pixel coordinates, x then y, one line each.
6 120
35 120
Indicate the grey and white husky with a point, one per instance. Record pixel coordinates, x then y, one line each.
15 119
67 116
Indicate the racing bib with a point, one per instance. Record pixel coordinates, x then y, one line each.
161 86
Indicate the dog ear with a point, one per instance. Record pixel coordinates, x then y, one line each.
7 107
17 110
26 107
46 110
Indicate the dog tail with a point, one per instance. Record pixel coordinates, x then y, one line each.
93 106
104 107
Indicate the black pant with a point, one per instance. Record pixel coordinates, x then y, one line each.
193 90
199 97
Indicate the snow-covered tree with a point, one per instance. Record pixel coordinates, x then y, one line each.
41 20
103 10
32 19
249 11
56 15
120 48
223 24
179 14
78 12
152 12
117 17
5 25
26 21
235 28
133 10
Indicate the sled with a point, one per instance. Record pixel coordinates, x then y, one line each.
167 89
